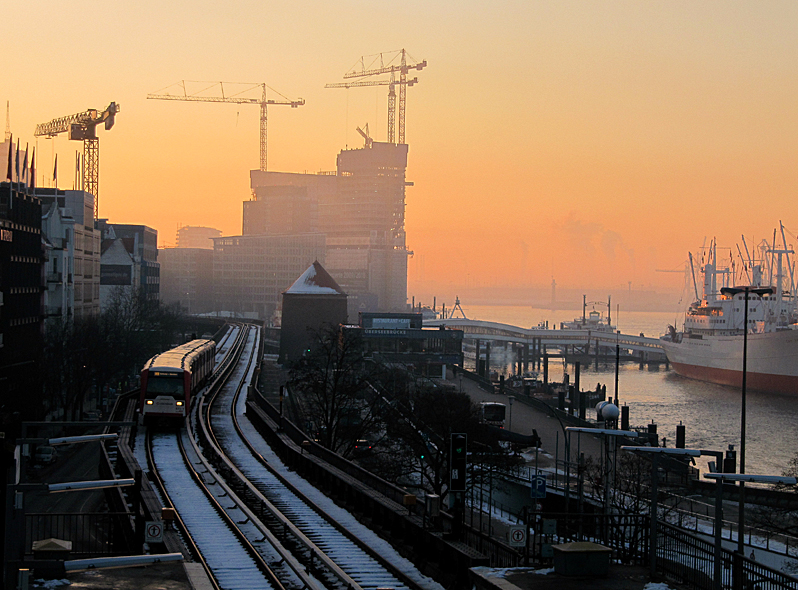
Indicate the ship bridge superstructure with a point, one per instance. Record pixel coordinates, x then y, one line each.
720 314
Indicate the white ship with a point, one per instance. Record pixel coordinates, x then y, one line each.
710 346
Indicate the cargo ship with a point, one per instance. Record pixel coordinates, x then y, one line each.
710 345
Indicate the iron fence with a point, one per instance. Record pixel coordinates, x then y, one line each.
692 559
91 534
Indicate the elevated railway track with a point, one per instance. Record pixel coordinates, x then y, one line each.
231 502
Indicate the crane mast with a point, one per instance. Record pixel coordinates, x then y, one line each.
235 98
83 126
379 66
391 84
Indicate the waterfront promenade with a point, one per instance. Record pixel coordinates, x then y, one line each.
526 419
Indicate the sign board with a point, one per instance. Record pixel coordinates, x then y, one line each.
549 526
518 536
153 531
457 463
538 488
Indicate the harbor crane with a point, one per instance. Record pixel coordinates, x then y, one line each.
235 98
386 63
83 126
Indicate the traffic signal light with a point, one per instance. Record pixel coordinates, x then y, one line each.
457 462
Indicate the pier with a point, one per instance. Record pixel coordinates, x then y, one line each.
533 345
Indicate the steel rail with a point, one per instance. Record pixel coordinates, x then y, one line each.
188 540
390 567
312 553
382 569
269 576
260 561
297 571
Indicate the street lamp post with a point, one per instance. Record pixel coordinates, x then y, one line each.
741 478
654 509
732 291
511 399
617 362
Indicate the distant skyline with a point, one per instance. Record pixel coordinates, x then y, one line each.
592 142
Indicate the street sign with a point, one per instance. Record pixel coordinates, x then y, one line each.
518 536
153 532
457 462
538 489
549 526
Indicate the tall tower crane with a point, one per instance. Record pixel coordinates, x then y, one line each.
83 126
391 97
385 63
235 98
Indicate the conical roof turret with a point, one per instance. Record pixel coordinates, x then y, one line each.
315 281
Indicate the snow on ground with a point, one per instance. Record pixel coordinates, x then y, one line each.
342 516
502 572
51 583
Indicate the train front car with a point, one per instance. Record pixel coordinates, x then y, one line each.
169 380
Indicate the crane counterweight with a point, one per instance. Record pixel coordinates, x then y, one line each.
83 127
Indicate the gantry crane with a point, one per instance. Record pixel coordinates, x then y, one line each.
383 63
236 98
391 97
84 126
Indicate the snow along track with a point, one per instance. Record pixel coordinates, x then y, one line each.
237 551
315 529
229 561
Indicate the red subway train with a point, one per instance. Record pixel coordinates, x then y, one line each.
170 379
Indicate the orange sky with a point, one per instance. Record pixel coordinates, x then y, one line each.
591 141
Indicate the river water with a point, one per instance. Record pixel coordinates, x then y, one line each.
710 413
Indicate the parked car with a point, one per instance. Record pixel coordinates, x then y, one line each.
45 454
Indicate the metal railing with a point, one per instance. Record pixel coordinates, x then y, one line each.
693 519
692 560
91 534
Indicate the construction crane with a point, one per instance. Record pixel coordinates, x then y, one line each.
385 63
235 98
366 136
391 97
83 126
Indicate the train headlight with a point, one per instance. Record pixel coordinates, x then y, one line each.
179 403
149 402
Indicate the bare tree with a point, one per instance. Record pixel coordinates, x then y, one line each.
85 354
623 486
425 416
333 388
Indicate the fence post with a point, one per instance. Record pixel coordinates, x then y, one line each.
137 515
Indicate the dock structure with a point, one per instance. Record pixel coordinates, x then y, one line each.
535 344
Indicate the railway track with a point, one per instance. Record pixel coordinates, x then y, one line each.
230 485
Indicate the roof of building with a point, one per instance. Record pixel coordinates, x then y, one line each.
315 281
114 252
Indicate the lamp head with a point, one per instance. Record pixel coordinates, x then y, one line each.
732 291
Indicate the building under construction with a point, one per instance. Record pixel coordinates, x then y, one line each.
360 209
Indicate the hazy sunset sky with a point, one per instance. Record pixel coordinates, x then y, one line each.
590 141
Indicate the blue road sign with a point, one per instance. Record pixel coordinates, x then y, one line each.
538 489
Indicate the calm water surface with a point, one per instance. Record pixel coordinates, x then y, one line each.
710 413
